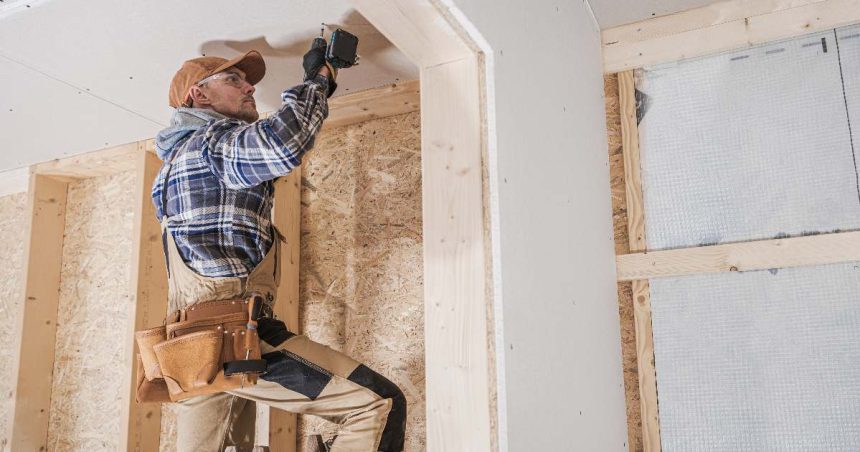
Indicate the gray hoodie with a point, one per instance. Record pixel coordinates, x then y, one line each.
184 122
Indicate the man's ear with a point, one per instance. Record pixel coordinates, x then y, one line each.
199 97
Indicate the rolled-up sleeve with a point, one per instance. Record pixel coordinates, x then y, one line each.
245 155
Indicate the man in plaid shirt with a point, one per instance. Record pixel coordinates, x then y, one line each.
214 197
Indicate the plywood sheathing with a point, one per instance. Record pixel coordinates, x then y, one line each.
361 256
93 313
622 246
13 229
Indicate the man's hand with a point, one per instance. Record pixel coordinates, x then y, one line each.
326 72
315 64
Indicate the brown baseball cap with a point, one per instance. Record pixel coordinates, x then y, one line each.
192 71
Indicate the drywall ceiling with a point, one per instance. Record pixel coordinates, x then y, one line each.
611 13
81 75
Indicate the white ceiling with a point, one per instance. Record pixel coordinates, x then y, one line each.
81 75
610 13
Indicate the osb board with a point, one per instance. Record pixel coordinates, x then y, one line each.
13 229
361 256
622 246
92 316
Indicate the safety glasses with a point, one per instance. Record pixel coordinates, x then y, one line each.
230 78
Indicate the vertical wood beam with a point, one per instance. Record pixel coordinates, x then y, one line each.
455 272
33 363
287 217
458 410
148 286
641 289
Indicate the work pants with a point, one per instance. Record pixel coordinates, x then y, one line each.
307 378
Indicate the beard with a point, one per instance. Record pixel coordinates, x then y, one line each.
248 114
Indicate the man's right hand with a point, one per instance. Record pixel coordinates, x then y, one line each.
314 59
314 64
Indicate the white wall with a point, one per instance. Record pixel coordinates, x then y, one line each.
562 353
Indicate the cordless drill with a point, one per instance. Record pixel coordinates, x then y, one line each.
341 48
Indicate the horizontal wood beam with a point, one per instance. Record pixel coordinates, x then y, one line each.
720 27
746 256
104 162
374 104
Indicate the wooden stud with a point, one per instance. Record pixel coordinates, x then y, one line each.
455 277
33 363
282 426
720 27
641 290
454 274
746 256
149 287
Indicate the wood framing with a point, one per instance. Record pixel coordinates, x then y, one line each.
33 363
281 426
759 255
720 27
148 286
641 289
373 104
455 277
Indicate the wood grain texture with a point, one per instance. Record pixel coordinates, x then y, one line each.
745 256
37 320
694 19
104 162
455 277
454 272
287 218
720 27
13 229
625 295
418 29
374 103
142 422
641 292
646 370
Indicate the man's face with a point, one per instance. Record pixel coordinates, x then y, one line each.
227 93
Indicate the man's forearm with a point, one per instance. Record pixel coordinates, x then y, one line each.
249 155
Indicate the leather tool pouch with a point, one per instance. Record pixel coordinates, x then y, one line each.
209 349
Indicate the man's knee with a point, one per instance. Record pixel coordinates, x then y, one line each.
380 385
395 426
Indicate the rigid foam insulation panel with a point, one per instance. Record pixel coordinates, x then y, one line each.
361 271
622 246
753 144
849 54
742 146
759 361
13 229
92 318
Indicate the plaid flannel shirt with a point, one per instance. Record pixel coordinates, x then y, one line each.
219 189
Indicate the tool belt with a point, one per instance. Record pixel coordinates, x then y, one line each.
207 348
